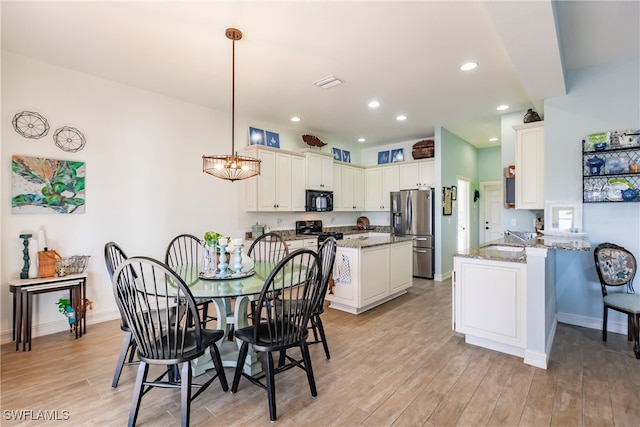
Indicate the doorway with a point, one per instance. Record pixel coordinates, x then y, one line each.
490 211
462 200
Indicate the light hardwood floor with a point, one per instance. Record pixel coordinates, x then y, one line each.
397 365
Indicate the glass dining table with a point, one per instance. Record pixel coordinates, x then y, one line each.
230 297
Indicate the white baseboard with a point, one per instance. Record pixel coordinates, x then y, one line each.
62 325
442 277
592 323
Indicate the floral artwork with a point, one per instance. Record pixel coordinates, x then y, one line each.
47 185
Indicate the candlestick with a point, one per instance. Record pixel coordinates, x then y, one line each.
237 261
24 274
223 259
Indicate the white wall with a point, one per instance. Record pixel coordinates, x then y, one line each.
144 180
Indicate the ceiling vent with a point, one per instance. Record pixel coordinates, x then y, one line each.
328 82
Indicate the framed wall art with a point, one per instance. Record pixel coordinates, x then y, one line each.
337 154
397 155
256 136
383 157
41 185
446 201
273 139
346 156
454 192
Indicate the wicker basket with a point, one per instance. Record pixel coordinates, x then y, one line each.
47 263
72 265
423 149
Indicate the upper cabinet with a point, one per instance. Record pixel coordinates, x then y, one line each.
417 174
529 178
319 171
379 182
348 188
275 189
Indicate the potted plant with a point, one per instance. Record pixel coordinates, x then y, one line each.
64 307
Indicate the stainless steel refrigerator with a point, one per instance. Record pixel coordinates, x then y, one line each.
412 215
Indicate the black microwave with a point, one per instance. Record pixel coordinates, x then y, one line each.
318 201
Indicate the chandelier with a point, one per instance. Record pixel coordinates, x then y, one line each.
231 167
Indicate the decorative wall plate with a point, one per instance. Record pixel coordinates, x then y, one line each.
30 124
69 139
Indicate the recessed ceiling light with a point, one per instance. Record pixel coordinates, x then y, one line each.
494 139
502 107
328 82
374 104
295 119
401 117
469 66
361 140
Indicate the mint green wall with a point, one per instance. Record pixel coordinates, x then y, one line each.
490 164
600 98
458 159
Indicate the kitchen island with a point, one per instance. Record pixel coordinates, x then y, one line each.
504 294
369 271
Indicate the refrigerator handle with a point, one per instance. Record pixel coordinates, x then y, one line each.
409 214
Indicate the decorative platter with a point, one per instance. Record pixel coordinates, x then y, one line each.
616 187
229 276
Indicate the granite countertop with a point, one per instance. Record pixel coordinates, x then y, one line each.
367 242
499 250
291 234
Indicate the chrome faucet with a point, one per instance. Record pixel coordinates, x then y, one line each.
523 236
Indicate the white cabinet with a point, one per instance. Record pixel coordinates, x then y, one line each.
319 171
297 184
348 188
529 165
379 182
292 245
376 274
275 189
337 187
417 174
490 302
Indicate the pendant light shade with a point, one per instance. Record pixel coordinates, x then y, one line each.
231 167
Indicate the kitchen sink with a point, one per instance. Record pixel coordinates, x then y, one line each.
504 248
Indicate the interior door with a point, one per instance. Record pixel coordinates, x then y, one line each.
490 211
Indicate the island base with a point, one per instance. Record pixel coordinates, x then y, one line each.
357 310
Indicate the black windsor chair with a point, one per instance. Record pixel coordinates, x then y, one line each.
617 267
113 257
186 250
145 290
278 326
270 247
327 256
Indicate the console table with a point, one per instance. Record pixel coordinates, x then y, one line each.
23 291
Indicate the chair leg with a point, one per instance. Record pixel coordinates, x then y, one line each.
323 337
217 362
636 335
143 370
630 327
269 376
124 349
304 348
205 315
604 324
185 394
283 358
242 355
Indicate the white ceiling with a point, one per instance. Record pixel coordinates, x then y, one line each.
405 54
